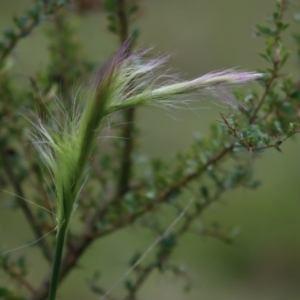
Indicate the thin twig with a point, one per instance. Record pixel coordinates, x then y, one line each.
128 219
143 275
149 249
235 134
99 290
185 226
275 62
19 277
35 226
123 20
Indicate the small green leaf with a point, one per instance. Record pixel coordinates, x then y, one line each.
284 59
111 18
275 16
128 284
265 30
265 56
2 46
133 9
20 22
110 5
10 34
239 148
112 28
204 191
135 258
282 26
135 34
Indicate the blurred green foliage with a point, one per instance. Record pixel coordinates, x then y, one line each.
265 261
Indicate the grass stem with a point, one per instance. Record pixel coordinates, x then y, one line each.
59 246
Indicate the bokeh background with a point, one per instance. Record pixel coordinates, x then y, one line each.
201 35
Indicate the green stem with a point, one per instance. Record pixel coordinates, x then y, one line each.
59 247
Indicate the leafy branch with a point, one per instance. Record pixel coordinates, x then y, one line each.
26 23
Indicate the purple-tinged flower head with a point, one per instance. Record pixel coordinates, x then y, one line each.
132 80
127 80
109 69
230 76
241 77
138 81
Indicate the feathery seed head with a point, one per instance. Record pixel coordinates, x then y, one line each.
127 80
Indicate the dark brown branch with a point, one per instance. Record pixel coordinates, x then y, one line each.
264 96
235 134
35 226
123 20
19 277
129 114
126 165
